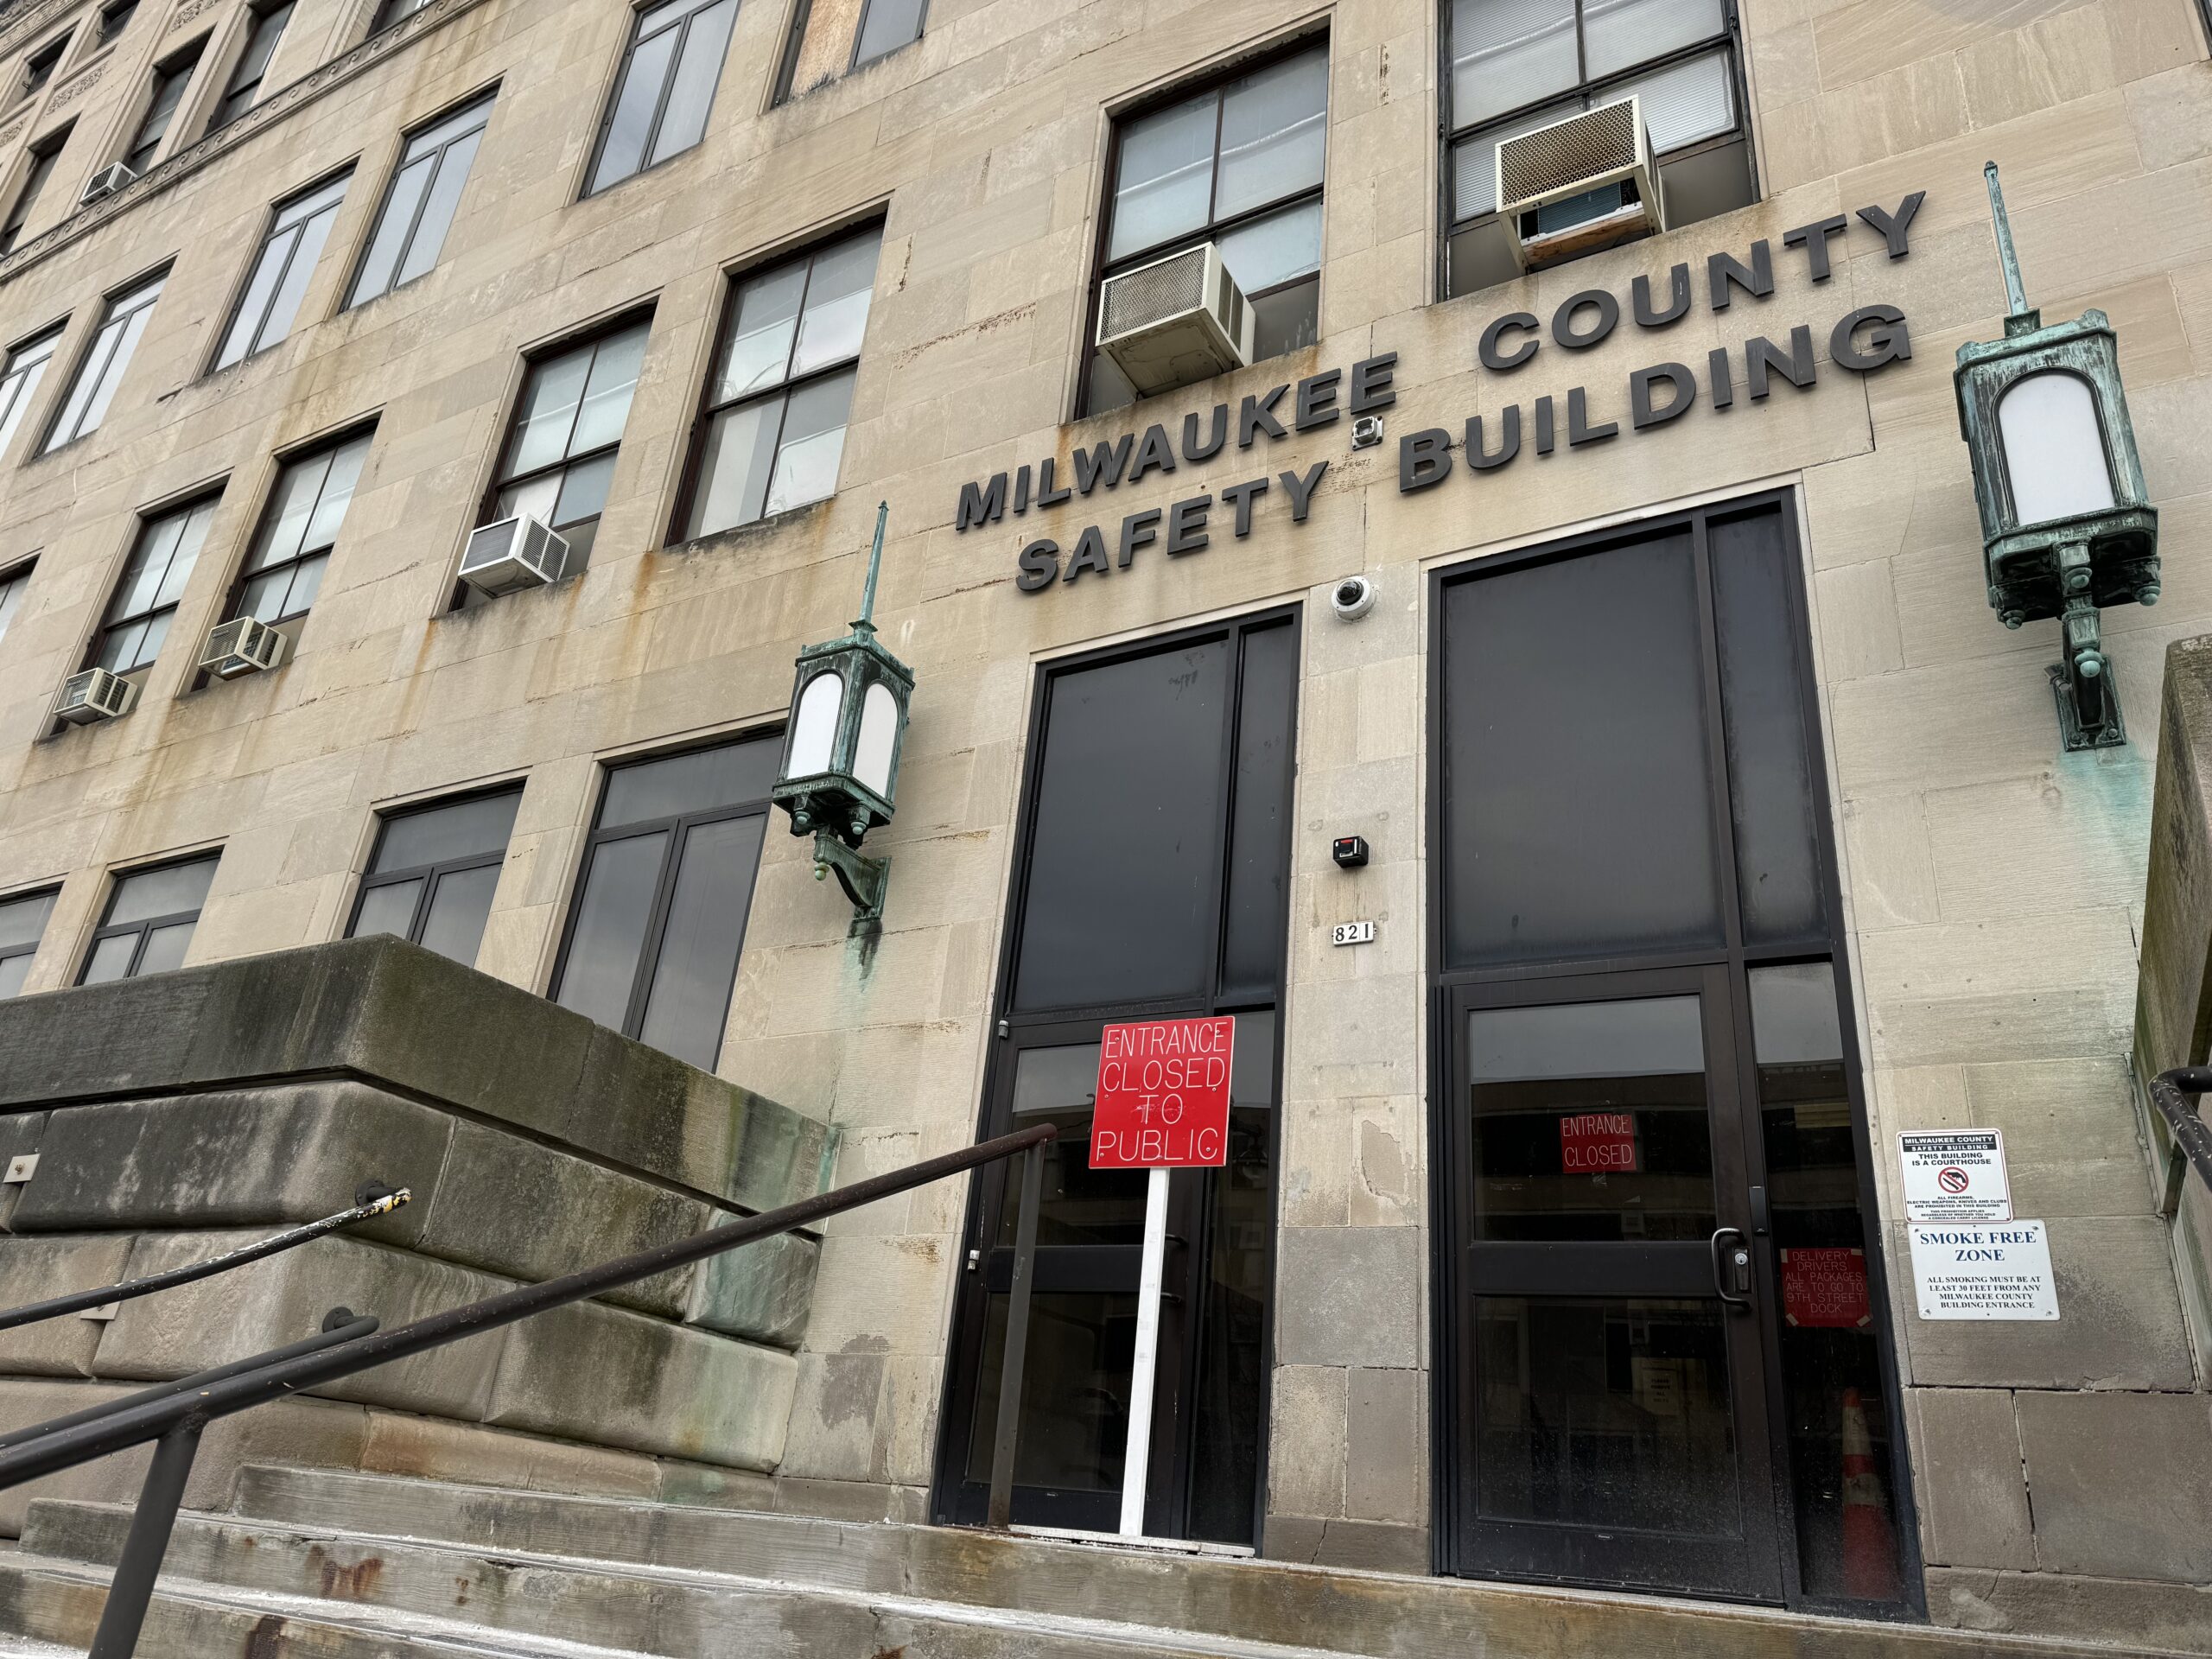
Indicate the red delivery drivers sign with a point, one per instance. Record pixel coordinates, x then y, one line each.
1826 1288
1163 1095
1594 1143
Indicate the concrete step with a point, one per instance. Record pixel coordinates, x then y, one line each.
51 1607
635 1609
1214 1599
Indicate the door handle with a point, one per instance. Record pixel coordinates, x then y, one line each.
1732 1267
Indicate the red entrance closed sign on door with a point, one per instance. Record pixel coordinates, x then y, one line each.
1596 1143
1163 1095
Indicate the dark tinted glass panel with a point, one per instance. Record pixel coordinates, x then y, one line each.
1078 1204
1769 773
690 998
463 829
698 782
1259 855
611 920
1075 1390
1577 814
1836 1410
1612 1413
1122 855
459 908
1232 1354
1591 1122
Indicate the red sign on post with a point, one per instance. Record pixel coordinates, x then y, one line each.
1597 1143
1163 1095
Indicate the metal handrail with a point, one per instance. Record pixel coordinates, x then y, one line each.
175 1421
371 1199
2192 1138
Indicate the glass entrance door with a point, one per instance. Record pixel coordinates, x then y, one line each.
1151 881
1617 1427
1659 1364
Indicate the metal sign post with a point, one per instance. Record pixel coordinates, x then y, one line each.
1162 1104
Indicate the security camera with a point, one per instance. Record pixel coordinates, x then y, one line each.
1353 598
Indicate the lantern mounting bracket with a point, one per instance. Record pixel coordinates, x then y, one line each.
862 878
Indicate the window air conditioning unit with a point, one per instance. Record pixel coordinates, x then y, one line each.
107 182
95 695
512 554
1176 321
1579 185
242 645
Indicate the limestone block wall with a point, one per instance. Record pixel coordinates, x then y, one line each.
239 1097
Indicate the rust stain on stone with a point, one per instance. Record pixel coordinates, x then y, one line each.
342 1582
264 1640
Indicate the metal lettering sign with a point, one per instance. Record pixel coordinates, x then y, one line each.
1163 1095
1954 1175
1989 1272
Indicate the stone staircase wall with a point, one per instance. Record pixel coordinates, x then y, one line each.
179 1116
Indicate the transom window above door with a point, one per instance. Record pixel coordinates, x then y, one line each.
1240 165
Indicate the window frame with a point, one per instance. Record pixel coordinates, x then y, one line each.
1216 81
272 228
354 297
224 114
678 828
12 409
43 160
146 518
15 579
1589 93
704 413
298 455
51 441
428 875
41 65
592 337
795 46
51 892
181 67
612 103
390 15
145 929
104 31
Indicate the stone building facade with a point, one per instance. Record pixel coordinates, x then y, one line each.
478 256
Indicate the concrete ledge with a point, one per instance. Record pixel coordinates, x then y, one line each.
2145 1616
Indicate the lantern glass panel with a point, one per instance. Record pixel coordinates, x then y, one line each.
878 735
2054 449
814 730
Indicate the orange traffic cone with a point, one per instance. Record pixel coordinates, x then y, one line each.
1870 1556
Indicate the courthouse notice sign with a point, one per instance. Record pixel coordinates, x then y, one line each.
1954 1175
1993 1271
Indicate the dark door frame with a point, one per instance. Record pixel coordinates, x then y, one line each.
1167 1484
1836 946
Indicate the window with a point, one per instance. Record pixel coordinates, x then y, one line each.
12 584
431 877
281 274
665 89
667 882
284 568
149 919
171 80
826 42
244 88
775 424
560 450
101 369
23 924
394 12
145 598
1239 165
1518 64
38 169
20 377
115 18
419 207
39 67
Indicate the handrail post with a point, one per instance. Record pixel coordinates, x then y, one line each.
159 1499
2173 1093
1017 1339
